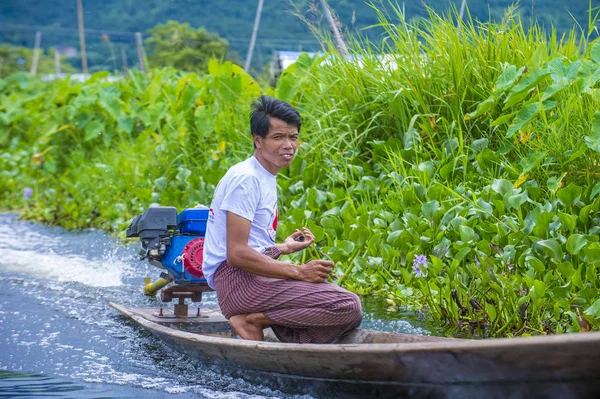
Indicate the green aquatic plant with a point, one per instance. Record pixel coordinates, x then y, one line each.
451 171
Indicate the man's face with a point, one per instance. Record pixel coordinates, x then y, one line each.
277 149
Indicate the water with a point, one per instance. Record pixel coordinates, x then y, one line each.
59 338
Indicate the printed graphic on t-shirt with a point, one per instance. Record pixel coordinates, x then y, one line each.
272 228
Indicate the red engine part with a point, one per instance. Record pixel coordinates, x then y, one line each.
192 257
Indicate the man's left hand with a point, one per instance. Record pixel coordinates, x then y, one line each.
299 240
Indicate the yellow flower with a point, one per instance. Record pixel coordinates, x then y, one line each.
522 179
524 136
216 154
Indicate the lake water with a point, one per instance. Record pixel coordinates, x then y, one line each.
60 338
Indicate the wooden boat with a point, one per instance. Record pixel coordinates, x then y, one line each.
367 363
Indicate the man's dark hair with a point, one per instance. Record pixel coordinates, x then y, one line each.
265 107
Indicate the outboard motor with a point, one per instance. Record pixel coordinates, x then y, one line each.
174 242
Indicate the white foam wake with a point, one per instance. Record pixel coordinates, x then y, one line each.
54 267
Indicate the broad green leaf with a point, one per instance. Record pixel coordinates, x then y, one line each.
92 130
575 243
436 263
427 167
538 290
478 145
462 253
126 123
595 190
97 77
525 115
594 310
374 261
588 75
183 174
578 154
502 186
394 238
450 145
554 182
429 209
526 83
109 100
411 138
161 183
346 246
360 263
591 252
569 194
203 121
593 141
507 78
107 135
584 214
321 198
515 201
566 269
317 231
517 97
595 52
374 243
568 220
491 311
536 264
576 278
482 107
551 248
360 235
337 254
504 119
467 234
532 161
485 206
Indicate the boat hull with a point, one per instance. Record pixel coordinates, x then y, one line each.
386 364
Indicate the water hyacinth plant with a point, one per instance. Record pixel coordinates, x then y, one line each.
451 171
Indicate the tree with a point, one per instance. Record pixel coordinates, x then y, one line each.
180 46
18 59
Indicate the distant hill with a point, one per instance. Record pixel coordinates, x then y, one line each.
280 29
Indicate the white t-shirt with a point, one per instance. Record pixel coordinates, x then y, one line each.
250 191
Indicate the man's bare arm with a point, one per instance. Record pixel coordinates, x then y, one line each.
239 254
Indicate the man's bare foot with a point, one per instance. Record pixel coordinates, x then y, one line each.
249 326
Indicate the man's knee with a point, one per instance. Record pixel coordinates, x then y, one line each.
353 309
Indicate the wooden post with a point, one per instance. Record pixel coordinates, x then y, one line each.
140 51
57 61
124 60
253 38
36 52
339 43
462 8
84 65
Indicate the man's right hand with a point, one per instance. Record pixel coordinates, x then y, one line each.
315 271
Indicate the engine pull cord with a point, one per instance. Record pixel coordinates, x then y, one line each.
180 259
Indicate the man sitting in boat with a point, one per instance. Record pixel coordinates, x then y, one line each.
254 289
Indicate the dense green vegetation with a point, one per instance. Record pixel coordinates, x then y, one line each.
280 29
458 176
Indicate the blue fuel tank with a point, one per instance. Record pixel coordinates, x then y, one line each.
184 252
